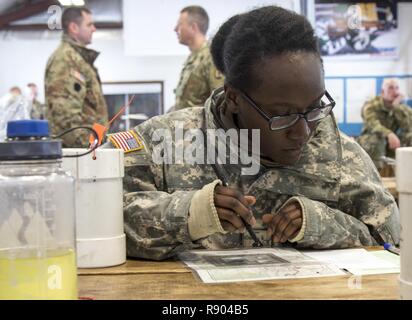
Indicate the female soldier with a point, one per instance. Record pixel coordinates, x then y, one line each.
314 187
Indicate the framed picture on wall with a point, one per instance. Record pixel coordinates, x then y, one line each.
357 29
145 98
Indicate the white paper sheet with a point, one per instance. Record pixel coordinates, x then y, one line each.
255 264
356 261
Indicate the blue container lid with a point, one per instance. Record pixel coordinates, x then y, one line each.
29 140
27 128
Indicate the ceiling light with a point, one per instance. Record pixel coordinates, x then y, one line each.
72 2
78 2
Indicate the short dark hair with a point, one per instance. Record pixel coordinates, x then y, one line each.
15 88
31 84
73 14
247 39
199 15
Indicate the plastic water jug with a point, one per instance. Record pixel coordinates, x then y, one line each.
101 241
404 186
37 216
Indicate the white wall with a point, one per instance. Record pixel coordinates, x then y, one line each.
23 57
158 37
114 65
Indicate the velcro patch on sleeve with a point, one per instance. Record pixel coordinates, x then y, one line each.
78 76
128 141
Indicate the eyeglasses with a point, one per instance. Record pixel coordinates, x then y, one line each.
326 105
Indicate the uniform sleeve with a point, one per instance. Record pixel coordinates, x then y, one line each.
65 89
366 213
371 119
214 76
404 118
156 222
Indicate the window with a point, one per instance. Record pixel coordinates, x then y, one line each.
147 102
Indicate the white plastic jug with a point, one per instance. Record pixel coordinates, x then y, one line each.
101 241
37 216
404 186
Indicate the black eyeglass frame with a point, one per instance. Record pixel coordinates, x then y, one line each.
330 105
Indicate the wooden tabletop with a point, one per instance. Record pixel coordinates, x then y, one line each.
390 184
169 280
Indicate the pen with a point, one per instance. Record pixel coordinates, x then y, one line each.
257 242
391 248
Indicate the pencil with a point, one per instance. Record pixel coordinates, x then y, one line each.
257 242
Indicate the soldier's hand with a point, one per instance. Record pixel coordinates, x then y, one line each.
397 101
231 204
285 224
393 141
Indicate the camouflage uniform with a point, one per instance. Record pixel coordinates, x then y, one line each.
379 121
199 77
73 92
38 110
343 200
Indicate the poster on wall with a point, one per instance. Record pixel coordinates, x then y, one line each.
357 29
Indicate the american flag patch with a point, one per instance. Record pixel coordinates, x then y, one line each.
128 141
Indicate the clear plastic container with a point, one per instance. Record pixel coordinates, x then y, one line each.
37 221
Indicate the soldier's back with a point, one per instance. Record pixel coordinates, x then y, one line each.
73 92
199 77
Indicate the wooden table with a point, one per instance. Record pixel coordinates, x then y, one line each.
390 184
139 279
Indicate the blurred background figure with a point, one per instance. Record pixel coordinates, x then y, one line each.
15 91
199 76
38 110
13 106
387 124
73 89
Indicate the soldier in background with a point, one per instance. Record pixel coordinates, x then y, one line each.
313 187
387 124
73 90
199 76
38 110
15 91
13 106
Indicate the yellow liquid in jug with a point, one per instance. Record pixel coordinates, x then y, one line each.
51 277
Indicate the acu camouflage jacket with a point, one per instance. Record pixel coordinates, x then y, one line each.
343 200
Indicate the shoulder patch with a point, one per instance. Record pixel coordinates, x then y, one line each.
128 141
218 74
78 75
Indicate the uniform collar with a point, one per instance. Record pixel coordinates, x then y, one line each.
213 109
89 55
195 53
204 45
382 105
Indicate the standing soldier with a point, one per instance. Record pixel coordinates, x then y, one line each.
199 76
313 187
387 124
73 90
